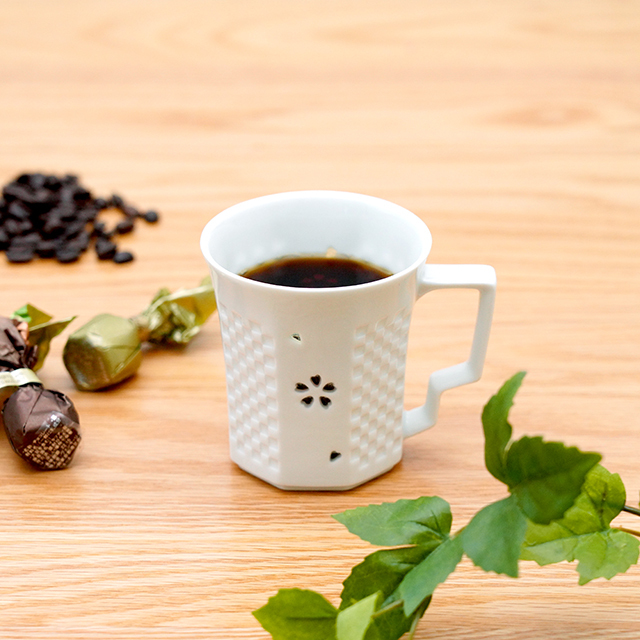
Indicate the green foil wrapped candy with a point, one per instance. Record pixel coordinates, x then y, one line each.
173 319
108 349
103 352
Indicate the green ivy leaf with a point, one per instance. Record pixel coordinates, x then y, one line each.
424 521
603 497
422 580
605 554
601 554
584 534
494 537
352 623
382 572
496 427
546 477
298 614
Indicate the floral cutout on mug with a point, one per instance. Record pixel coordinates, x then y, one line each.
316 380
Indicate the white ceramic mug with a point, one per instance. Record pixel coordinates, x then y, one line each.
315 377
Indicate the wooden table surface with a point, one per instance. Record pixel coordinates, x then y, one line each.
511 128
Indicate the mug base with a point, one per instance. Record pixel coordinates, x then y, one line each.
318 488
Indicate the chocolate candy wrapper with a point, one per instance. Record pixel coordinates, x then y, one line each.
15 351
42 425
108 348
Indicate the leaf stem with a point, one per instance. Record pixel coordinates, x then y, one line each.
628 509
631 531
389 607
417 616
414 626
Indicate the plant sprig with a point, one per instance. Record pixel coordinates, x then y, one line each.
559 507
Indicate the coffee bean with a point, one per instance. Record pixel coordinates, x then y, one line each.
116 201
18 211
105 249
125 226
46 248
4 240
66 194
123 256
82 195
53 228
19 254
37 181
67 212
82 240
130 212
67 254
99 230
29 239
13 227
41 198
151 216
88 214
74 228
15 191
52 183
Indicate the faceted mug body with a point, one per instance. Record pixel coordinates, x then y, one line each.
315 383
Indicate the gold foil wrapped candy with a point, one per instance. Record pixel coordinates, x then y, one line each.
108 348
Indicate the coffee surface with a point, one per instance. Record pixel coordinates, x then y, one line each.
316 272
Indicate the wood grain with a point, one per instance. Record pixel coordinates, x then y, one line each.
512 129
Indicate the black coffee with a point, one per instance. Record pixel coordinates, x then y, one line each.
316 272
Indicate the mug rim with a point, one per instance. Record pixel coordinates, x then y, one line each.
420 227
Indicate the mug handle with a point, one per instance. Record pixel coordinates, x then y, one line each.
454 276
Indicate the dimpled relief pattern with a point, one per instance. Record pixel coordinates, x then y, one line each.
251 389
378 389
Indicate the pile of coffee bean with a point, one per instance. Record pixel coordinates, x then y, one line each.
50 216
